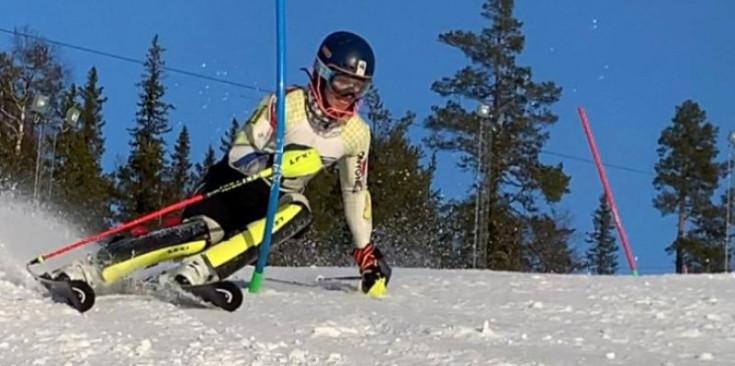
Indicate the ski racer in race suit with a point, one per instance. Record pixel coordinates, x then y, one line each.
221 234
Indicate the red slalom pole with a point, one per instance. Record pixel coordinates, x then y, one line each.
608 191
119 228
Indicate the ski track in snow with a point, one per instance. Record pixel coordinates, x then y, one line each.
430 317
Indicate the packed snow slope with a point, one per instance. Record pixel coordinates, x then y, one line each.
431 317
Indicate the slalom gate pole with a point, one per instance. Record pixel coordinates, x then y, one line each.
150 216
608 191
257 277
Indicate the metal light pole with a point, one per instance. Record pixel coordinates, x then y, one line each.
482 112
40 107
731 144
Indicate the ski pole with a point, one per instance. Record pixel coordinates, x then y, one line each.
296 163
338 278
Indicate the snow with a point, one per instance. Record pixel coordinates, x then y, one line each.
430 317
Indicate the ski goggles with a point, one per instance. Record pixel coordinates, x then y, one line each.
342 83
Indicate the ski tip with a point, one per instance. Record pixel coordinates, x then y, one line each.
83 296
225 295
232 294
77 294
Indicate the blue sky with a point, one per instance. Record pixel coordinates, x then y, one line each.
629 63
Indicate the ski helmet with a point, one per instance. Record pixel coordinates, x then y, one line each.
345 64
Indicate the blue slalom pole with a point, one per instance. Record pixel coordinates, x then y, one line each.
257 278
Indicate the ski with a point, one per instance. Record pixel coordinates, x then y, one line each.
77 294
80 296
226 295
222 294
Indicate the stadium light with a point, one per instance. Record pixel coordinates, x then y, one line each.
483 110
72 115
40 104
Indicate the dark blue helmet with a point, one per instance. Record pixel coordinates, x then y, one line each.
344 53
348 53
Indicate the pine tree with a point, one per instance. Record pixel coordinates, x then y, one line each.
503 148
91 115
704 242
602 253
229 138
686 176
455 249
547 248
80 184
708 232
140 183
180 174
200 169
98 184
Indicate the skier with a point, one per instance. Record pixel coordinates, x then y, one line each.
220 235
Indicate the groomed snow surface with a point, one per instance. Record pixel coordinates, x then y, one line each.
431 317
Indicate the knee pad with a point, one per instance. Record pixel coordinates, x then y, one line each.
304 219
216 234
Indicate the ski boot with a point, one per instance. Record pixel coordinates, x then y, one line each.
192 271
79 270
374 270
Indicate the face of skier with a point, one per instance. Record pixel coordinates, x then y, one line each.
336 101
343 91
